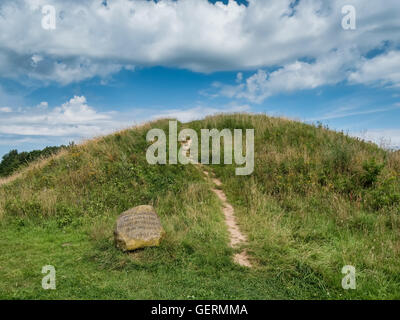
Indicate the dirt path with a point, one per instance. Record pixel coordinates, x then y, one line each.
236 237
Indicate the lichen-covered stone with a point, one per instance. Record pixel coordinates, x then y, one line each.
138 228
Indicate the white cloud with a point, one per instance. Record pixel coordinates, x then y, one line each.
5 109
36 59
75 118
239 77
386 138
383 69
329 69
93 39
43 105
75 111
344 112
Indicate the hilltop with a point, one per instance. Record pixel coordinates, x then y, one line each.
317 200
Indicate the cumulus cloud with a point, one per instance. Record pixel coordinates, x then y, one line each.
74 118
98 38
383 70
332 68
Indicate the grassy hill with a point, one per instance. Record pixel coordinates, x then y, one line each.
317 200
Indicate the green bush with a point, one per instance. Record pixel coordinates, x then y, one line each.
387 194
372 170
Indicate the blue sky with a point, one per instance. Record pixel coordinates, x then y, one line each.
109 65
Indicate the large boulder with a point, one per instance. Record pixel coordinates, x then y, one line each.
138 228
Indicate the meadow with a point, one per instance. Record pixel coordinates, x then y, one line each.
317 200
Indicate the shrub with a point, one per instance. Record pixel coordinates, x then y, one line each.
387 194
372 170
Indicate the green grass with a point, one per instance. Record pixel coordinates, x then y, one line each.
190 264
317 201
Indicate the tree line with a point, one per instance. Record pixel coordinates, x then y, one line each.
14 160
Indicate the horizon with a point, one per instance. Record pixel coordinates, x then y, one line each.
382 144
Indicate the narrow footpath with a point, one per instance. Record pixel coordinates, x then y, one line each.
236 237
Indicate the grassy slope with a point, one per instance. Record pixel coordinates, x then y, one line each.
305 220
318 200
